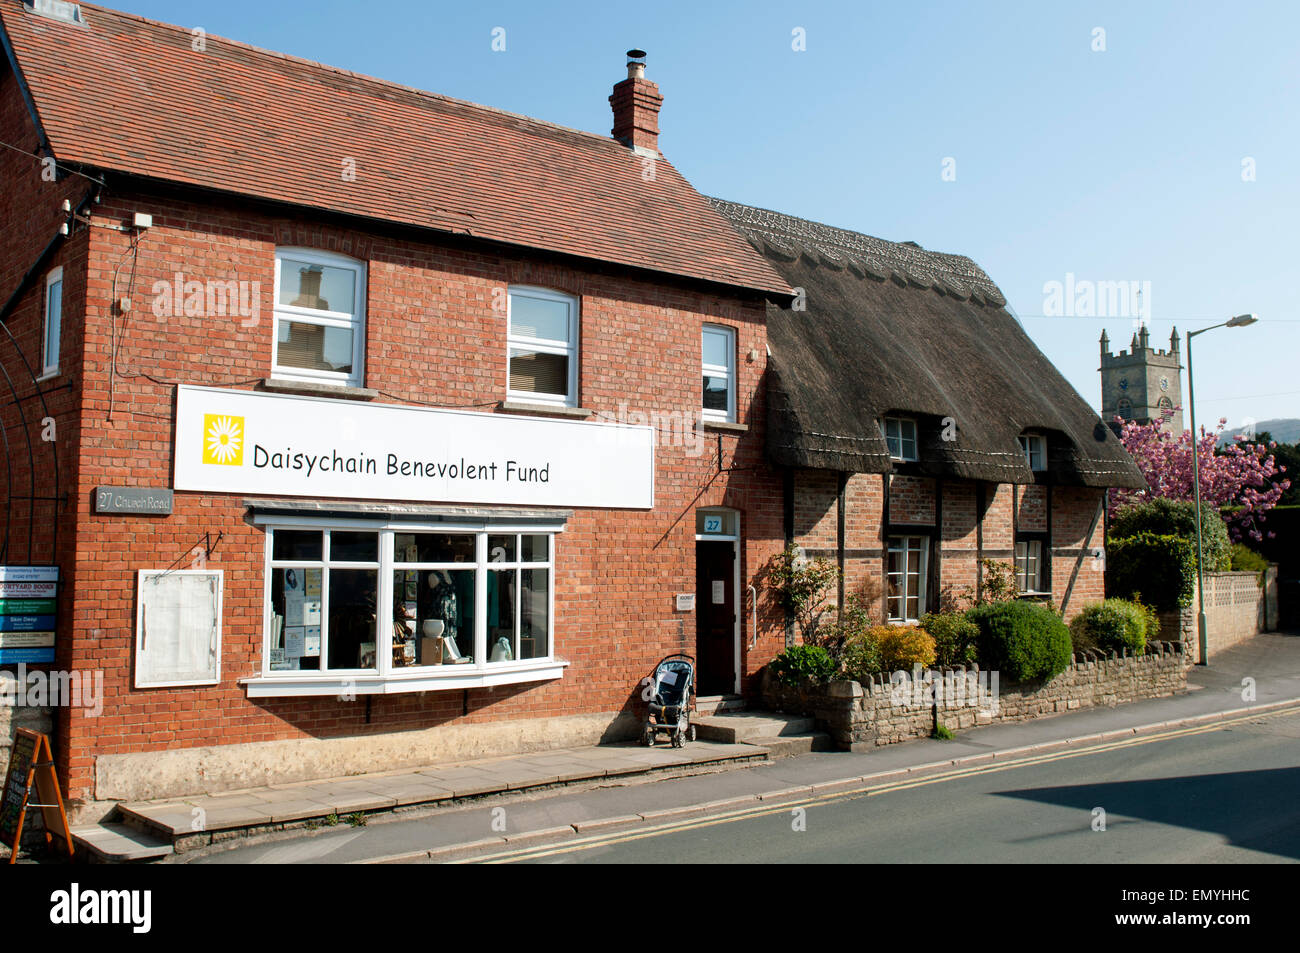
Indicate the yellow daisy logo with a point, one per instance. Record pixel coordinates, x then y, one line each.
223 439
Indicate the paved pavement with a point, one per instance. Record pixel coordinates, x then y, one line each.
1256 675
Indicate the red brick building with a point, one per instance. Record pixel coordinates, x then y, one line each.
374 425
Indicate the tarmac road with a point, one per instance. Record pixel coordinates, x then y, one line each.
1208 794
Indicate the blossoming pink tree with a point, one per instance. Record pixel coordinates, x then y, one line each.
1242 474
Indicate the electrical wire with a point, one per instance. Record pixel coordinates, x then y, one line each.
40 158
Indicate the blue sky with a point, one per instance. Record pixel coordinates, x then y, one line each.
1122 164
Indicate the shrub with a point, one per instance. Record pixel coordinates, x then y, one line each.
1111 625
1159 569
903 646
857 617
861 657
1246 559
1022 640
803 587
801 662
954 637
1164 517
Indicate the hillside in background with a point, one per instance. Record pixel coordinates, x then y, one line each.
1283 430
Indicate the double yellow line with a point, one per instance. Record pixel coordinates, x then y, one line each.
867 790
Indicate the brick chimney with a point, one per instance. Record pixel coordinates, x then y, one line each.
636 103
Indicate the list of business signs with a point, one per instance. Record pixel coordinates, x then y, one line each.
250 442
27 615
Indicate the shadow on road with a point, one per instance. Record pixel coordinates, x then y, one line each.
1254 810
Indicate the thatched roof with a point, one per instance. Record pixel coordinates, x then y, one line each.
892 329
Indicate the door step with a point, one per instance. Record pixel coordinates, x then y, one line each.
112 842
716 704
782 735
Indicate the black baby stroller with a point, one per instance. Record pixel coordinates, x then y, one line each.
670 701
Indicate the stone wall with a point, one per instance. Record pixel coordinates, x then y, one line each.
888 710
1236 607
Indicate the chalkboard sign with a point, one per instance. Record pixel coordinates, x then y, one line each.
31 764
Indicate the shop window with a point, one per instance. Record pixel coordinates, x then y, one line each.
53 323
1034 448
906 575
900 434
319 317
1029 565
470 598
719 362
543 347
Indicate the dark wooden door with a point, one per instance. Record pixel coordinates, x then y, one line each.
715 614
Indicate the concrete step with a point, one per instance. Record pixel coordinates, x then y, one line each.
114 843
751 727
717 704
787 746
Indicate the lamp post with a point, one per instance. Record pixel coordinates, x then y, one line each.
1239 321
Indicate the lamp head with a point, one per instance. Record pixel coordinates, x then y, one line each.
1241 320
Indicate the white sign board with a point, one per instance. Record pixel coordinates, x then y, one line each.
231 441
178 628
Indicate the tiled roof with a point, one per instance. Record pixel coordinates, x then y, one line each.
128 94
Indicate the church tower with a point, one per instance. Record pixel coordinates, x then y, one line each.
1142 384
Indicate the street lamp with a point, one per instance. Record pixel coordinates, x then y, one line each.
1240 321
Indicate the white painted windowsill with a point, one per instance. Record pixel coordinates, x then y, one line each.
429 678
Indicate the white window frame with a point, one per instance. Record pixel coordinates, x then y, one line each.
1029 443
354 320
904 545
50 368
1023 549
385 678
727 371
567 348
902 439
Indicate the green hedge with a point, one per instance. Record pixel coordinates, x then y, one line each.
1163 517
1158 570
803 661
1022 640
954 637
1112 625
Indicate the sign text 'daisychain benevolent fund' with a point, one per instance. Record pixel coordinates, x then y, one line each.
245 442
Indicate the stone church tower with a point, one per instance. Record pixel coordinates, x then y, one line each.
1142 384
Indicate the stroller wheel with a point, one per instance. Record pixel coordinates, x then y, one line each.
690 733
648 739
679 738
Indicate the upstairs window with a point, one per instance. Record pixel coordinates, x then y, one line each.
1035 450
719 362
900 434
320 332
53 323
543 347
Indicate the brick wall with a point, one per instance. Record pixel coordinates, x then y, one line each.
965 534
432 337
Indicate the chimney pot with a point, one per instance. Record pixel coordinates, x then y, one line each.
636 103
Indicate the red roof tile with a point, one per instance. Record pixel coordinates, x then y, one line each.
128 94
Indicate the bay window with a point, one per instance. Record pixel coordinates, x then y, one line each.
405 607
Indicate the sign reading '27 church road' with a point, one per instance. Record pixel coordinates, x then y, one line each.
230 441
